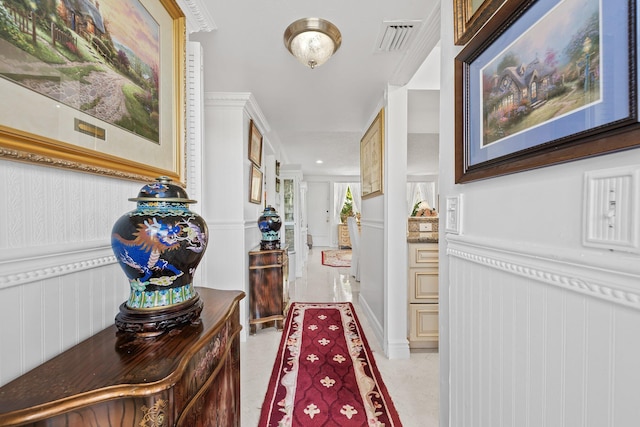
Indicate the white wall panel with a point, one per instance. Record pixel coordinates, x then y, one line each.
372 274
232 219
59 281
52 325
55 314
11 356
528 351
31 319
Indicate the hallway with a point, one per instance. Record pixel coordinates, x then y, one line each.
412 383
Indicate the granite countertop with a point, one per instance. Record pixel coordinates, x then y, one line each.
422 237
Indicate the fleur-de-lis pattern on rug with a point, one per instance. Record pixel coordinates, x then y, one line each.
325 374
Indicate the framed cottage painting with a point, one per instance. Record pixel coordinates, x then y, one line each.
555 82
94 86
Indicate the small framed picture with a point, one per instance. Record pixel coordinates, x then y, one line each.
255 183
255 145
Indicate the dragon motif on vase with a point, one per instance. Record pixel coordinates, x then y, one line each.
153 239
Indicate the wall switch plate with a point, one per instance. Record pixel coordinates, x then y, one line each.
453 215
426 226
611 198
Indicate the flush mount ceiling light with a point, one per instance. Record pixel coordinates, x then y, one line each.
312 40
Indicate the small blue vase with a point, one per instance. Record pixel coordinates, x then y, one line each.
269 224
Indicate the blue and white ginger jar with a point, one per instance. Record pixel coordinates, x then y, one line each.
159 245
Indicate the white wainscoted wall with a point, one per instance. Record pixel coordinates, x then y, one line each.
536 329
59 281
540 340
232 219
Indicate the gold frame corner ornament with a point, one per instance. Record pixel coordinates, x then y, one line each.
469 18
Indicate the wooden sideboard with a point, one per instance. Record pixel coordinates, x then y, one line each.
268 288
189 376
423 295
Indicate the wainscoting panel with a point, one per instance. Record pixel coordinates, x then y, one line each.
43 318
530 349
372 273
59 281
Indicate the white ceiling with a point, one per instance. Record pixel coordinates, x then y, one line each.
322 113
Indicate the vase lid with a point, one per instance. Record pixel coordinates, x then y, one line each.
162 190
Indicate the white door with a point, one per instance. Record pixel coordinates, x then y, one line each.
319 213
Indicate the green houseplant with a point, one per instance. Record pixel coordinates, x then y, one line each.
347 207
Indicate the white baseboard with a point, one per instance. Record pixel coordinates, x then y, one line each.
397 350
378 331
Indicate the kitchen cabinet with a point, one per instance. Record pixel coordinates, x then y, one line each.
423 295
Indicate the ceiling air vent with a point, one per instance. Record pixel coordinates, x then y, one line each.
396 36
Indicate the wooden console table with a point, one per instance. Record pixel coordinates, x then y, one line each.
190 376
268 288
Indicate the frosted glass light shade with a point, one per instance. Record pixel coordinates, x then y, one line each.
312 40
312 48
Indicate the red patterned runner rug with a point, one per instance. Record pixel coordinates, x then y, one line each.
325 374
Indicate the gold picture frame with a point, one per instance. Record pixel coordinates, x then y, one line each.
255 185
372 158
37 128
470 15
255 145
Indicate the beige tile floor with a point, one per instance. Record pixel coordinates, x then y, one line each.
412 383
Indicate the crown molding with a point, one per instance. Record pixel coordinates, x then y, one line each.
244 100
197 16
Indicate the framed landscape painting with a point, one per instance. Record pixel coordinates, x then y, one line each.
555 82
372 158
94 87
